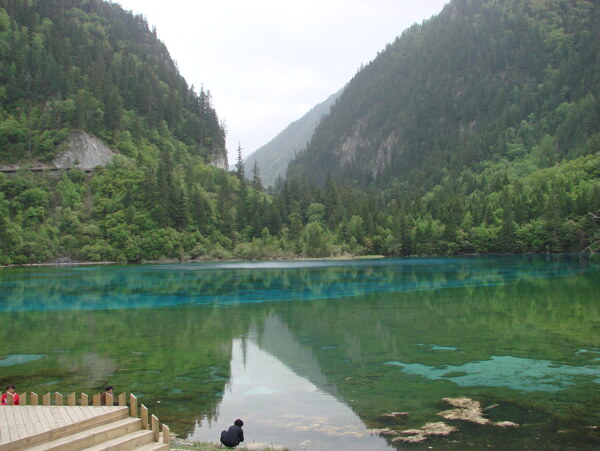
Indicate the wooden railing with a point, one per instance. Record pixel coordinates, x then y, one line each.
59 400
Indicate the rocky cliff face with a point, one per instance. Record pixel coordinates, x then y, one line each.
472 84
220 160
84 151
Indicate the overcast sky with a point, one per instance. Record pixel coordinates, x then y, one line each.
267 62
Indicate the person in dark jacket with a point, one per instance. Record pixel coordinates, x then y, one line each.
234 435
107 390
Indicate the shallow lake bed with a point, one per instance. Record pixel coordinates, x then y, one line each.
313 355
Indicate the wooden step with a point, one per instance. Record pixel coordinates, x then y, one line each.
92 436
48 423
131 441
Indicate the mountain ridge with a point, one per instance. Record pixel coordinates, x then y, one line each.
272 158
491 149
449 93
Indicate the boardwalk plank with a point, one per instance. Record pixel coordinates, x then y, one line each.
90 412
37 422
4 434
61 418
48 414
69 415
18 417
3 420
31 425
29 420
22 431
12 431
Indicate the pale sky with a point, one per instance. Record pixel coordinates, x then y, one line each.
267 62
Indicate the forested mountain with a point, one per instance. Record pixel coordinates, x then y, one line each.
484 80
475 132
273 158
90 65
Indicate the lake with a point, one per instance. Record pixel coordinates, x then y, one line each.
313 355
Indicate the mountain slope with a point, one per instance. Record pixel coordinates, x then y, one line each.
87 68
273 158
483 152
483 80
91 66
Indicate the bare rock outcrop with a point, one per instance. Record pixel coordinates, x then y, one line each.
220 161
84 151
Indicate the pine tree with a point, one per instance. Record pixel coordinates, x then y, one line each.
239 166
256 181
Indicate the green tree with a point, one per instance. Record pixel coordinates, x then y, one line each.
256 181
315 241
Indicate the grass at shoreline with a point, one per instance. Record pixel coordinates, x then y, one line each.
184 445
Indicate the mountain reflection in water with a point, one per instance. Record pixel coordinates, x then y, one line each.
279 406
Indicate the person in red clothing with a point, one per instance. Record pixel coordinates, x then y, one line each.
10 389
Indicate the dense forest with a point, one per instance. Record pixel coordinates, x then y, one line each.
475 126
74 64
481 81
499 149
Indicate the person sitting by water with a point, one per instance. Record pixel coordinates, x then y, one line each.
107 390
234 435
10 389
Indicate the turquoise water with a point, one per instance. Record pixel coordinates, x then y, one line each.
312 354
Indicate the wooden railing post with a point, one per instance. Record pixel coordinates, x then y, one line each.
155 431
108 397
10 399
144 416
166 434
132 405
153 424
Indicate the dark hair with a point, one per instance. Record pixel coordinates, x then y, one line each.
108 387
10 386
239 422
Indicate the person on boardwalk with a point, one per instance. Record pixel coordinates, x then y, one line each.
10 389
234 435
107 390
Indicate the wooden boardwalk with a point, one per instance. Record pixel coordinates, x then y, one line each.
26 424
75 427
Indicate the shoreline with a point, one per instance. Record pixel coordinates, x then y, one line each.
167 261
59 264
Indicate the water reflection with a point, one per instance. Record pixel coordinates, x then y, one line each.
280 407
19 359
457 327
